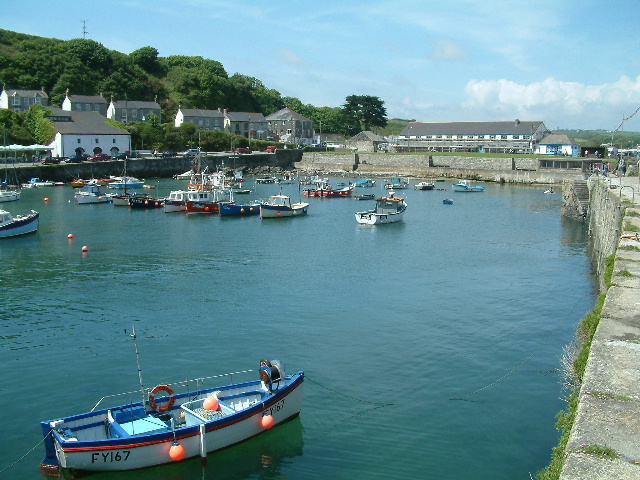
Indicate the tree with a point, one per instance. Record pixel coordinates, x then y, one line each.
146 58
363 112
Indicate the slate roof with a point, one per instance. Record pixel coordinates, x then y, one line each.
246 117
286 114
557 139
87 99
83 123
135 104
367 135
512 127
26 93
195 112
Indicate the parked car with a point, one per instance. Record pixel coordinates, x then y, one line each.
78 158
120 156
243 150
100 157
271 148
51 160
192 152
169 154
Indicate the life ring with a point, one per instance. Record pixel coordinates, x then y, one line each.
152 398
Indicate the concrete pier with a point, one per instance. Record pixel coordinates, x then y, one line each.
605 439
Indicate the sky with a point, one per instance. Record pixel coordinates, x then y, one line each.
571 64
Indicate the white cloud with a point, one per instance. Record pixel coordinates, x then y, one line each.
447 50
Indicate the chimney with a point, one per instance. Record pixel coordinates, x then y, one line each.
517 122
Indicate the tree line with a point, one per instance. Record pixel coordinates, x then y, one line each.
86 67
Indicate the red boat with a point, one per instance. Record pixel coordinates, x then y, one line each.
324 189
204 202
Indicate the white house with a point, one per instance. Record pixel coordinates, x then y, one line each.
78 133
558 144
126 111
85 103
202 119
21 100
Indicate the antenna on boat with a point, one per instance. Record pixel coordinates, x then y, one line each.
135 340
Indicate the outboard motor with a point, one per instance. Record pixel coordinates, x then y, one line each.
271 371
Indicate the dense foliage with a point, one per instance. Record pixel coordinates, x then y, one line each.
86 67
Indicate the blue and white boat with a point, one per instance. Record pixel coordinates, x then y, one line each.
92 194
465 186
388 209
365 182
234 208
280 206
11 226
175 426
397 183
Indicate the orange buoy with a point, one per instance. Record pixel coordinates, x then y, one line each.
46 199
177 452
211 403
85 249
70 235
267 422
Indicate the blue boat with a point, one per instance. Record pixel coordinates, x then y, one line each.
465 186
365 182
232 208
447 201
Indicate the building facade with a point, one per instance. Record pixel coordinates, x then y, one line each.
85 103
250 125
202 119
290 126
126 111
84 132
22 100
484 137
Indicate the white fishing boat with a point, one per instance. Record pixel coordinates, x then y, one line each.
388 209
397 183
11 226
281 206
424 186
9 195
176 201
466 186
92 194
175 426
36 182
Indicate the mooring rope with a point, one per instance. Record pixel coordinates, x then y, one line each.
25 455
348 396
460 397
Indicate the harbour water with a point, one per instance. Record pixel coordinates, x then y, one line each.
431 347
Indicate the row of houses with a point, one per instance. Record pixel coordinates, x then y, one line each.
287 125
291 127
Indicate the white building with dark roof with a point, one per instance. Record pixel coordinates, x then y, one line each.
22 100
83 132
558 144
504 136
202 119
126 111
85 103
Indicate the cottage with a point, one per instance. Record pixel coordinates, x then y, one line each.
83 132
367 141
202 119
126 111
22 100
503 136
558 144
85 103
249 125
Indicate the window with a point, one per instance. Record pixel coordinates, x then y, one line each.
15 100
134 114
25 102
492 137
87 107
78 106
516 137
503 137
114 140
288 131
78 140
97 107
96 140
37 100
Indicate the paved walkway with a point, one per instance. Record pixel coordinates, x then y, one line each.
605 440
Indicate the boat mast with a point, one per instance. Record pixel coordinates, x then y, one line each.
135 340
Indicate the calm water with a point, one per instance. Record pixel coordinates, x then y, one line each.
388 322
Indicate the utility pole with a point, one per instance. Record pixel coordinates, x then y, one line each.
84 29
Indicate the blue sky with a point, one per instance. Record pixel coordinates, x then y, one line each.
571 64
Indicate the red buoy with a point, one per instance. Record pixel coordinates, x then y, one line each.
267 422
177 452
211 403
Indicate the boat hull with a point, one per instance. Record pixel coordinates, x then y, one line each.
341 192
83 198
229 209
21 225
202 207
198 436
175 206
145 202
372 218
9 196
278 211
